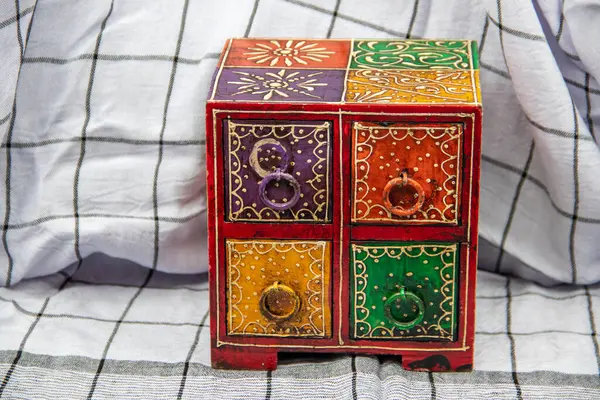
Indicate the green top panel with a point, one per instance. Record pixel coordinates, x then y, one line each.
474 55
413 54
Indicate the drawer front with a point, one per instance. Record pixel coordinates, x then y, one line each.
277 171
406 173
404 291
278 288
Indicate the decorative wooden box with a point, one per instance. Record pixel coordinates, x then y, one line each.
343 187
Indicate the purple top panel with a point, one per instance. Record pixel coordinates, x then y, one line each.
283 85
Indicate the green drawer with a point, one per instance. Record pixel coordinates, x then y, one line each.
404 291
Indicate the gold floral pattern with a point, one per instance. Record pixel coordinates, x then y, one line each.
389 86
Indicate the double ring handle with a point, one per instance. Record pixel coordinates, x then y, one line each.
279 302
278 176
396 301
403 181
275 148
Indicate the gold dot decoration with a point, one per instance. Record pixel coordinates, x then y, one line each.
422 270
276 259
424 157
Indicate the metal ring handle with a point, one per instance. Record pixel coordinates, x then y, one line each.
403 181
277 176
404 295
278 289
255 163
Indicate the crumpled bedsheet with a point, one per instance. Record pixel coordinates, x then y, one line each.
103 256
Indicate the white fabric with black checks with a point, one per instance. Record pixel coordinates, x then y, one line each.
103 257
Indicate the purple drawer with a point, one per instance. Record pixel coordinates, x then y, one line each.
277 171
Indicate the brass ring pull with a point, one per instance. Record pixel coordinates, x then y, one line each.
402 181
399 298
279 302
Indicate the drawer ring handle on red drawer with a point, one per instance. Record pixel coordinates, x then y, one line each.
278 176
398 300
402 182
279 302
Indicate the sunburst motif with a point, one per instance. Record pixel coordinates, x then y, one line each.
290 52
277 83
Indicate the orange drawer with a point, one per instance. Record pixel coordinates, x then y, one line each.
406 173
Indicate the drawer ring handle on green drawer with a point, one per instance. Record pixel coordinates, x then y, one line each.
397 298
403 181
277 176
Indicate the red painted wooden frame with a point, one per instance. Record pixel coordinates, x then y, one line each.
251 352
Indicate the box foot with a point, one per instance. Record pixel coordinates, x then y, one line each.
243 358
439 362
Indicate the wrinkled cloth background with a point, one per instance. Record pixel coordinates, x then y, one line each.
103 289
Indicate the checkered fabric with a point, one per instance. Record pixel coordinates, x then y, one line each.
102 198
96 333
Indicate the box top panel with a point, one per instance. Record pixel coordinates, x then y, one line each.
382 71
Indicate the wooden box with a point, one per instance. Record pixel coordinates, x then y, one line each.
343 187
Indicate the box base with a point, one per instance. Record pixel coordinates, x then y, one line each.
248 358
